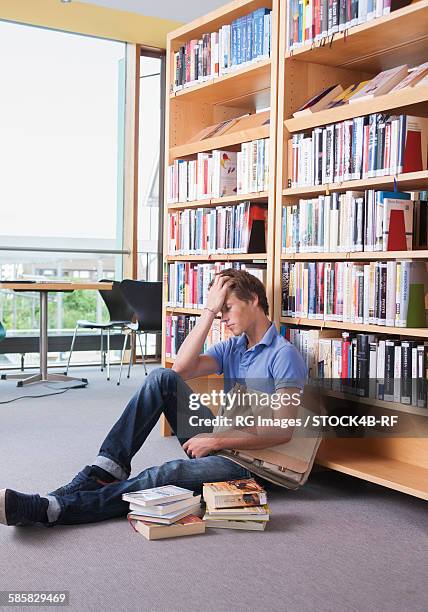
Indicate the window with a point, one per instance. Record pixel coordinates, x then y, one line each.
61 153
150 170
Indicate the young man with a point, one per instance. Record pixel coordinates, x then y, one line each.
255 355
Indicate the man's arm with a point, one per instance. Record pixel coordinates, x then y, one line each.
256 437
189 362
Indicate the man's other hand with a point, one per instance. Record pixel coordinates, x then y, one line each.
200 445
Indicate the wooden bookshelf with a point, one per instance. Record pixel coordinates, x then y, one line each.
232 137
410 101
398 38
248 94
213 202
369 401
410 181
359 53
248 85
356 256
357 327
254 257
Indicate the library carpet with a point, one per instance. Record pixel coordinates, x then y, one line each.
337 544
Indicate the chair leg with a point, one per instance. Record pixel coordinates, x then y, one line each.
102 350
142 354
71 350
133 343
122 356
108 354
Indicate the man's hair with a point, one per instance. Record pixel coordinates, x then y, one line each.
245 286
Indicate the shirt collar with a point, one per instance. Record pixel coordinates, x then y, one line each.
267 339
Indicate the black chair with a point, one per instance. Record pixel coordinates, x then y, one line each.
145 298
121 316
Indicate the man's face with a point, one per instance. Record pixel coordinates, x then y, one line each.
239 315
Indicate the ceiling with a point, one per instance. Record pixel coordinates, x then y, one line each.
165 9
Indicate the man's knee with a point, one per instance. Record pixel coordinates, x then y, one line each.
163 375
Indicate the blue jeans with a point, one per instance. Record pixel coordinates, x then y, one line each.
165 392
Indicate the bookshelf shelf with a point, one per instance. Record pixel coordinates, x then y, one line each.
251 83
398 38
399 475
411 101
254 257
212 202
355 256
358 327
408 181
370 401
219 142
189 311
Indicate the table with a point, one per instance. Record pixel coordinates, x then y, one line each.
43 288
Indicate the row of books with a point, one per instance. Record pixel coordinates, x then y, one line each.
245 41
239 228
188 282
363 147
171 511
365 364
313 20
388 293
178 327
220 173
387 81
351 221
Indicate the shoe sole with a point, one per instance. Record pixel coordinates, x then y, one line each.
3 519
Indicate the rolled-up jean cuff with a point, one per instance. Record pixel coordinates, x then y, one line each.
111 467
54 508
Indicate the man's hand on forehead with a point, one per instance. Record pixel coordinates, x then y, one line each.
218 293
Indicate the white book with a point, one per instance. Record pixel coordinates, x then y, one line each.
412 78
166 519
404 293
156 495
391 276
168 509
380 84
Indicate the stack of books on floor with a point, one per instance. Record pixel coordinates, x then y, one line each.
164 512
236 504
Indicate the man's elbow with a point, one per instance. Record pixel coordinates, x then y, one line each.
180 371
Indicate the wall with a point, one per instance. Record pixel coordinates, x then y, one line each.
166 9
89 19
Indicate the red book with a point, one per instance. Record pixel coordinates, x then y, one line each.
346 343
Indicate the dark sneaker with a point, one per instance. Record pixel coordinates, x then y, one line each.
20 509
86 480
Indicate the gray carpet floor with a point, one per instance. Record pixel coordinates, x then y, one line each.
338 544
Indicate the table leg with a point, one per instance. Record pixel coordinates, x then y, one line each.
43 376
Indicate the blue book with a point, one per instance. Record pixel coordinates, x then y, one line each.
249 38
241 40
258 26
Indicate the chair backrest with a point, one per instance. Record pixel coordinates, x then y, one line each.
117 305
2 331
145 297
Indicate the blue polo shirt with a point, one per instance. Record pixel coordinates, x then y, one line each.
271 364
